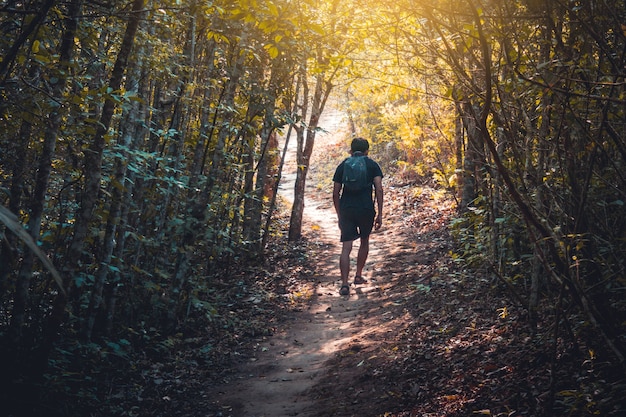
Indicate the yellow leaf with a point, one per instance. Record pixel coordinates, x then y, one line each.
273 9
316 28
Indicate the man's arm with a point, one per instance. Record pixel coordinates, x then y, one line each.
378 191
336 196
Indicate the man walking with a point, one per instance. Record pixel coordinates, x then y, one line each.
354 180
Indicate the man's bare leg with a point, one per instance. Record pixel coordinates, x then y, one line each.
362 255
344 262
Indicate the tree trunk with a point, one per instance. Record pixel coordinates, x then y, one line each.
229 112
8 246
323 87
471 158
44 168
266 160
117 192
536 271
457 184
279 173
299 83
175 154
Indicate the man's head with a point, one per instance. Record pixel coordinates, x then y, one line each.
359 145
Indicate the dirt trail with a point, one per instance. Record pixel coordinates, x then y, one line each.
278 381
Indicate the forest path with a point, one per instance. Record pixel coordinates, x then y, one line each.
290 369
277 382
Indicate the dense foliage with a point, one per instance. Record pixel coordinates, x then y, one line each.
139 151
538 93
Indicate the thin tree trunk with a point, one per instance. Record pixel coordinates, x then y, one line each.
254 216
53 124
323 87
457 185
117 192
8 245
272 204
138 134
229 112
471 158
536 272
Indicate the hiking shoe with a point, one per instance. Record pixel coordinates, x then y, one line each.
345 290
359 280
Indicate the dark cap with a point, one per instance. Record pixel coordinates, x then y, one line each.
359 145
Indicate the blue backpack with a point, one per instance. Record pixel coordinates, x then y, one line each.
355 173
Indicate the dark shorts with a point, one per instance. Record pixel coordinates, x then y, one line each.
356 223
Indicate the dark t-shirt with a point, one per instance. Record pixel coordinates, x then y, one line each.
362 198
